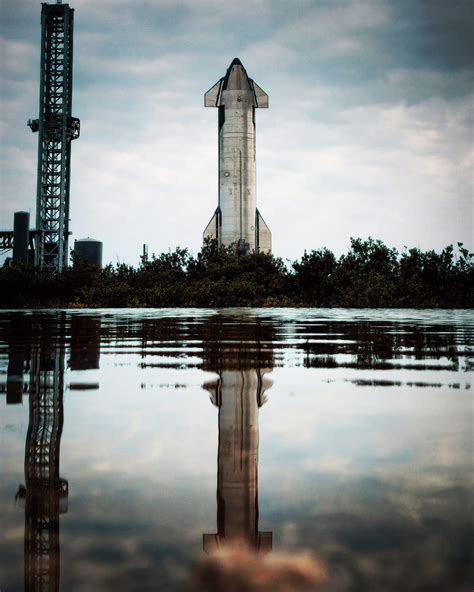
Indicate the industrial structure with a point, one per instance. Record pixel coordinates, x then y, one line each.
21 236
15 239
57 128
89 250
237 221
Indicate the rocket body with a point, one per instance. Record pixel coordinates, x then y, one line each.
237 221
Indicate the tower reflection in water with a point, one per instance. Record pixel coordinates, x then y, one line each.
45 494
240 352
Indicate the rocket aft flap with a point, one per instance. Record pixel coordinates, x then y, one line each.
237 221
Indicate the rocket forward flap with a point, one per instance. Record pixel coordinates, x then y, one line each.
211 98
261 97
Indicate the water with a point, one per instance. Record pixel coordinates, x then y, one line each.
119 427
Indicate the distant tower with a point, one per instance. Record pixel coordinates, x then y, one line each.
57 128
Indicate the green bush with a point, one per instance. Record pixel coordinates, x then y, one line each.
369 275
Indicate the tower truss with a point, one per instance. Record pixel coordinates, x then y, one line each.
57 128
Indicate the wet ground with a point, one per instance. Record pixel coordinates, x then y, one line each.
134 441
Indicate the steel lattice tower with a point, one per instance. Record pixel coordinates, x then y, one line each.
57 128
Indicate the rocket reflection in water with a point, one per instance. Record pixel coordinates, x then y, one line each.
241 359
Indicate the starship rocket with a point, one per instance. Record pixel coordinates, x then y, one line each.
237 221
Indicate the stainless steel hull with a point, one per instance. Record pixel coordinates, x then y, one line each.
236 221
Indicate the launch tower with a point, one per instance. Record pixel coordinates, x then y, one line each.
57 128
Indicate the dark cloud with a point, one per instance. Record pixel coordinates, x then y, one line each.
445 35
378 535
383 536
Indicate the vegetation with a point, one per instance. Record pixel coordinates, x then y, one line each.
369 275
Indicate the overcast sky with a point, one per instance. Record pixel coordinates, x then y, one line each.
369 131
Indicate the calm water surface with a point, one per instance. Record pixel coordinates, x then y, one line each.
132 442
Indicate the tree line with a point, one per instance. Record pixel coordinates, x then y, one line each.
370 274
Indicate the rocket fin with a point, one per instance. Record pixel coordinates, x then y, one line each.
264 236
214 388
261 97
212 229
211 98
211 543
264 384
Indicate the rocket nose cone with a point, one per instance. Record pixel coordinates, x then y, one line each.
237 78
